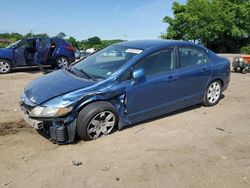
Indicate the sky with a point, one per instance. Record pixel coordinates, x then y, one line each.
107 19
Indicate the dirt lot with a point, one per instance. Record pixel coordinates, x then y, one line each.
195 147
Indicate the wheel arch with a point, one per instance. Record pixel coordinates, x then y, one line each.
97 98
215 79
58 56
9 60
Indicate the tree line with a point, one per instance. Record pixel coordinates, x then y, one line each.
93 42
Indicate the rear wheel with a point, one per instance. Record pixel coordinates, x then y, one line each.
62 62
5 66
212 94
96 119
245 70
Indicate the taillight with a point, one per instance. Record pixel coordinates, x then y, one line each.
70 48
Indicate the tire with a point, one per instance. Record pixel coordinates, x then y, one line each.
61 62
212 94
5 66
96 119
234 69
245 70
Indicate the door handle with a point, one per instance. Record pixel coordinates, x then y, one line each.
171 78
203 70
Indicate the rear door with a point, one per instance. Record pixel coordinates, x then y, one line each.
19 53
195 72
43 48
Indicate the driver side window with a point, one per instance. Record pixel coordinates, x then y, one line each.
21 44
157 62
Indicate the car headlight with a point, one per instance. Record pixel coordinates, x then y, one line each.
43 111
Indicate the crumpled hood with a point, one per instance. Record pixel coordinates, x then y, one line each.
54 84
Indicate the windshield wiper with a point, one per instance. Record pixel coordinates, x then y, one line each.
86 74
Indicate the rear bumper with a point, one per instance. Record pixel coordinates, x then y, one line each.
72 59
225 86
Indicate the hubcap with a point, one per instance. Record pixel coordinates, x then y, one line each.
62 62
4 66
213 93
101 124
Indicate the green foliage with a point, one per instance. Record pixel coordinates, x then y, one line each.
73 42
61 35
11 37
93 42
30 35
222 25
245 49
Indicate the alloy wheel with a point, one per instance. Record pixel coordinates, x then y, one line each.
4 66
62 62
214 92
102 124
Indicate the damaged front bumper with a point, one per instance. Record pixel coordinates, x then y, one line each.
57 130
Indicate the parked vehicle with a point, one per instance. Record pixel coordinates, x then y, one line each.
51 51
100 93
241 64
84 54
77 55
91 50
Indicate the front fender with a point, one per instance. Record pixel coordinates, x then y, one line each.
118 101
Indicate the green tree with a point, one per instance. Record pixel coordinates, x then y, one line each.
73 42
93 41
61 35
221 25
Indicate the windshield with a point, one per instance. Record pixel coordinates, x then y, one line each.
13 44
107 61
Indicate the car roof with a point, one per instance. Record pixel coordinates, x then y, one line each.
145 44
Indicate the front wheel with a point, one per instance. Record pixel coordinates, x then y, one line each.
96 119
212 94
62 62
5 66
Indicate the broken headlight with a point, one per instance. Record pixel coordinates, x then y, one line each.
43 111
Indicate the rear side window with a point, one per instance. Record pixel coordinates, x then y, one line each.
44 42
191 56
157 62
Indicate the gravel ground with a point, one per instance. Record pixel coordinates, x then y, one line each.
194 147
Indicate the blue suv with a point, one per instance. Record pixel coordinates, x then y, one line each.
51 51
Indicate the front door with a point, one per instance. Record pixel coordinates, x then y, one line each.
158 92
19 53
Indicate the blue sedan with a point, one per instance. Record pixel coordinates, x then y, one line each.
123 84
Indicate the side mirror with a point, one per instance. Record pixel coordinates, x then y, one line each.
138 75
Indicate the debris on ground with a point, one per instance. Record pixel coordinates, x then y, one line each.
12 127
139 130
106 168
117 179
244 179
76 163
220 129
24 158
7 183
